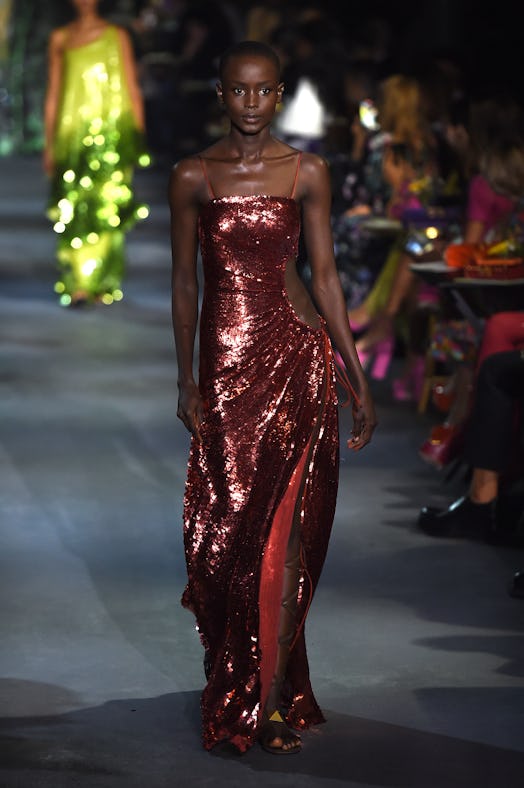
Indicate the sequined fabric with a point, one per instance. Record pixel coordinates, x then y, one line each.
96 147
270 428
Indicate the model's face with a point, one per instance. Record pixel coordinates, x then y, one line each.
250 91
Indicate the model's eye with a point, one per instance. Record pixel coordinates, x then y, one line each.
238 91
265 91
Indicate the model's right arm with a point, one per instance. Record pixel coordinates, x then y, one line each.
184 207
52 96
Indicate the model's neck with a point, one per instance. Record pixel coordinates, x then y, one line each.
89 19
251 146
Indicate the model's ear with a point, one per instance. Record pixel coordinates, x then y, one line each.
220 95
280 90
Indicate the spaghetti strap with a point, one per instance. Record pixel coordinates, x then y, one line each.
204 170
296 174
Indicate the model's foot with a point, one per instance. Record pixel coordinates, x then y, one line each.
79 298
277 738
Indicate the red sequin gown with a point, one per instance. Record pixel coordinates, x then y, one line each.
269 453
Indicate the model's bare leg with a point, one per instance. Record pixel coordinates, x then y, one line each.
275 735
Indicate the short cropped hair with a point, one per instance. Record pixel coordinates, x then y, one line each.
253 48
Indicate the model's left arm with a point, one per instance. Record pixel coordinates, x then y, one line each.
327 290
133 84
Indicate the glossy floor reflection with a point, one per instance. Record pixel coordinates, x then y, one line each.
415 646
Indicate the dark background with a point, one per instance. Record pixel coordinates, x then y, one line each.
485 41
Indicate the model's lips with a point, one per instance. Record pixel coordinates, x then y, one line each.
250 118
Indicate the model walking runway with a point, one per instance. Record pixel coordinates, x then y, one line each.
415 648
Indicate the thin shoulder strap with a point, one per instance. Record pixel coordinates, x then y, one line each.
296 174
204 170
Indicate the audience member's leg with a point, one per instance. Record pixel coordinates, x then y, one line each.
404 281
488 449
503 331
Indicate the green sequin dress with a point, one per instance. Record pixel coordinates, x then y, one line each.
97 145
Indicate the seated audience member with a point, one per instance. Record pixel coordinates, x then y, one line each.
412 165
502 331
495 215
494 450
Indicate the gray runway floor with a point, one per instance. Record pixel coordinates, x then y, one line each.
416 649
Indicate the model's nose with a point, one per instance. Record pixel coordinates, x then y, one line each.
251 99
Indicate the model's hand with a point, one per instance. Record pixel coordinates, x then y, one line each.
190 408
364 422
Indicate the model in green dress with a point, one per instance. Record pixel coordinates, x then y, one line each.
94 123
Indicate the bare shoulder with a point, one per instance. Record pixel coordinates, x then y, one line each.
187 170
58 38
187 179
313 165
122 33
314 175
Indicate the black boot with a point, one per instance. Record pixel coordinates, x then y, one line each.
462 519
516 587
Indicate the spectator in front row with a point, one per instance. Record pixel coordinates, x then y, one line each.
495 451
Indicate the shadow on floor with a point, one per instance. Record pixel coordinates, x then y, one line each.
146 742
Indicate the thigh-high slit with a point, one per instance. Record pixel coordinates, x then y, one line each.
267 460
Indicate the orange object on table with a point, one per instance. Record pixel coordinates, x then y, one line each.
460 255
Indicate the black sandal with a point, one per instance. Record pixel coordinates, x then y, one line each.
276 728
